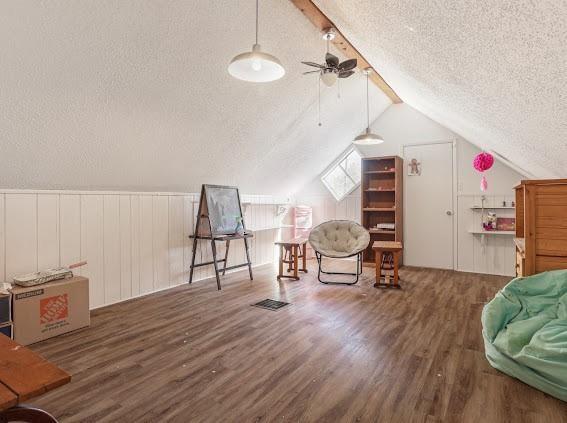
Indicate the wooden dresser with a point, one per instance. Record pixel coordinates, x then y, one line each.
541 226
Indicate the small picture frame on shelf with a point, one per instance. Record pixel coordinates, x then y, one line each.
505 224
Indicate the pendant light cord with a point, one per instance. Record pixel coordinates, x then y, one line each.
367 104
256 21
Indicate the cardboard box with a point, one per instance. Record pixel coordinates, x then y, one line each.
43 311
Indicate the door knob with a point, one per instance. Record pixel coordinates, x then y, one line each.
449 213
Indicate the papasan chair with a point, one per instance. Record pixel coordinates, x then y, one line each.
525 331
339 239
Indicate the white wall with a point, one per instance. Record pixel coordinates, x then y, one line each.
135 243
402 125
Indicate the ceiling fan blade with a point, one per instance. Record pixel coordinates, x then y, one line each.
315 71
317 65
345 74
347 65
332 60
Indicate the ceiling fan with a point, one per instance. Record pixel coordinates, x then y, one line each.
331 69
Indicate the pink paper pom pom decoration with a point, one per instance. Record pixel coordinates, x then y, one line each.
483 161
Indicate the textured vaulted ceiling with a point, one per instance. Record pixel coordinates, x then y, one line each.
494 71
135 95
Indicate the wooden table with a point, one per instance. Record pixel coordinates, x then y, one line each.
24 375
295 249
381 248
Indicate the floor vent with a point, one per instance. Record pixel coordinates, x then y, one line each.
270 304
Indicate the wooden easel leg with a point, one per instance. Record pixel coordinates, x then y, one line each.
193 260
214 248
225 257
248 258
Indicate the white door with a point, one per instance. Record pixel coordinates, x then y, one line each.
428 206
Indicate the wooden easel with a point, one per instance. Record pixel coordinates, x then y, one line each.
204 231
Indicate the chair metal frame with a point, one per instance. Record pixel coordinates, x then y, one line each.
358 272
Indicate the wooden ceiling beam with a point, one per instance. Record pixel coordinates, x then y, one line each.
322 22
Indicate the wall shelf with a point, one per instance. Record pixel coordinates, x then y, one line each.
493 208
481 232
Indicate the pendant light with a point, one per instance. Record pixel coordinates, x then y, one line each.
367 137
256 66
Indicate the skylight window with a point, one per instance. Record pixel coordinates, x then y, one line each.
344 176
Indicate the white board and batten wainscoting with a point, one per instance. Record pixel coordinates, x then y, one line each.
135 243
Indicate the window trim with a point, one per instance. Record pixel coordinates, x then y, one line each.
337 163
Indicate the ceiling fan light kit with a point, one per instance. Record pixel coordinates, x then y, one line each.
367 137
329 77
331 70
255 65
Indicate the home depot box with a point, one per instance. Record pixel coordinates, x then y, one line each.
43 311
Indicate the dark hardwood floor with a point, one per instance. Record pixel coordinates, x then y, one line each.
337 353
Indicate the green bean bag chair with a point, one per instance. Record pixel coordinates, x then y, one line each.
525 331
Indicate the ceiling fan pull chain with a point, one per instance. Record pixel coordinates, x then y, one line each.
367 104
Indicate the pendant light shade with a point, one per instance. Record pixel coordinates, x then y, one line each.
255 65
367 137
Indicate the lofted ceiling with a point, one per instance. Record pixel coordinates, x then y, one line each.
494 72
135 95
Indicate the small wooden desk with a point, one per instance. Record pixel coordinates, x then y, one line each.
24 375
381 248
294 249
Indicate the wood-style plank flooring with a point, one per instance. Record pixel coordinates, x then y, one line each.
337 353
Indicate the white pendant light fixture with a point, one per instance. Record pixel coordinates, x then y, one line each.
256 66
367 137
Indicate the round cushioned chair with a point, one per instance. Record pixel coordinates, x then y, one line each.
339 239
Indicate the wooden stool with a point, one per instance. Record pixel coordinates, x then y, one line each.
387 255
290 252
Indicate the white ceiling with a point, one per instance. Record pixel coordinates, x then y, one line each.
134 95
495 71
